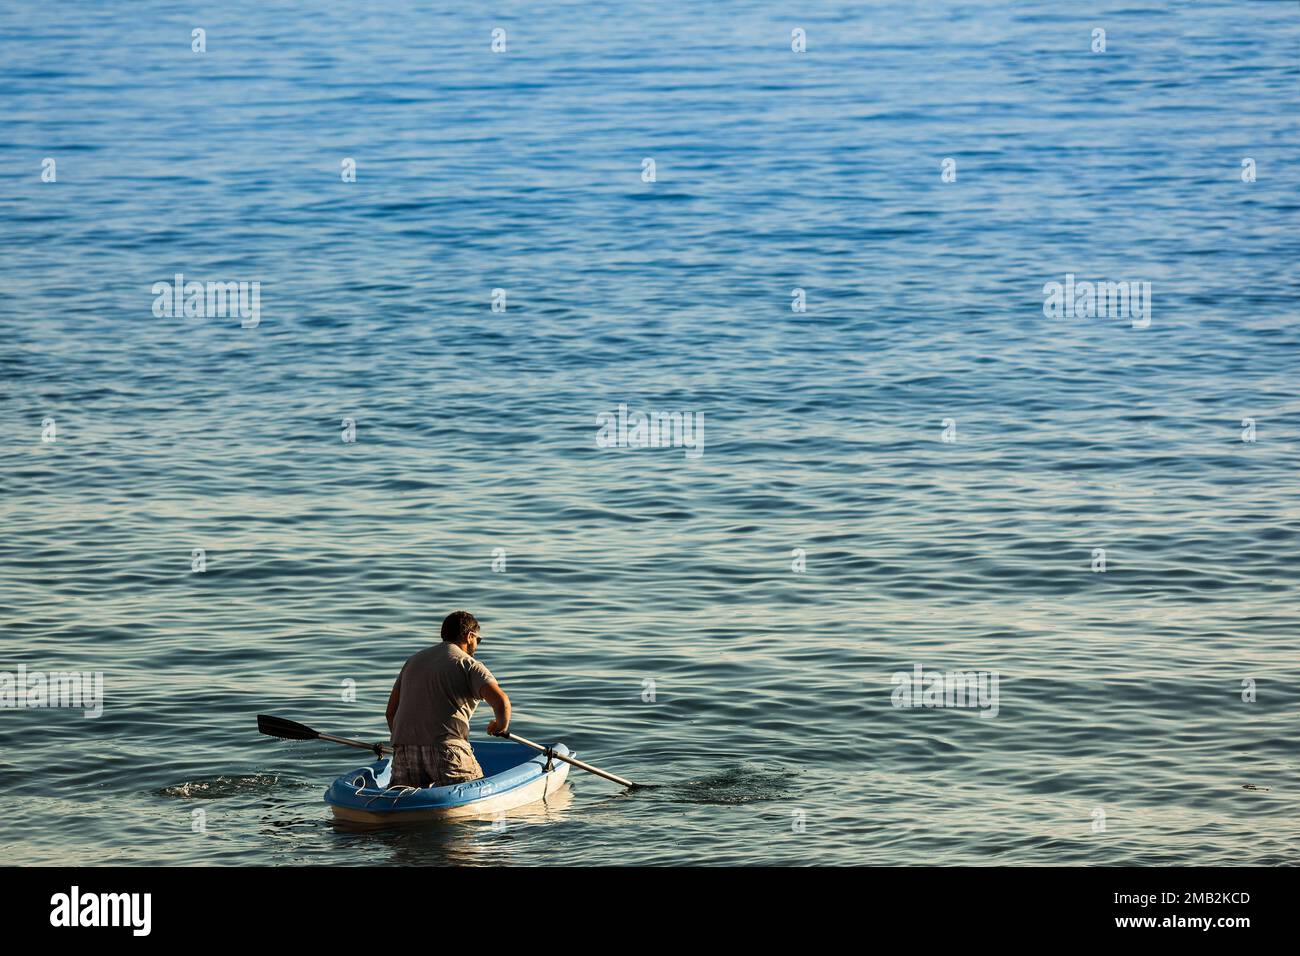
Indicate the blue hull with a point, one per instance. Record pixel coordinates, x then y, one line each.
514 775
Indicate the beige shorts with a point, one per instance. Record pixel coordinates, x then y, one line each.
433 765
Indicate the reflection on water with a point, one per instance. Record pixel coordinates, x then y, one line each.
498 840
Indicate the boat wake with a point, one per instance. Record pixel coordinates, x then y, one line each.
728 786
213 788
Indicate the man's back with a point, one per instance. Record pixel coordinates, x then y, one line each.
438 690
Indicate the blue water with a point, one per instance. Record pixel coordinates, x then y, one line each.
771 734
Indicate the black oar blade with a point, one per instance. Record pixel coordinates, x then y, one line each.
284 729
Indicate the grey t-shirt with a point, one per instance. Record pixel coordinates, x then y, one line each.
437 692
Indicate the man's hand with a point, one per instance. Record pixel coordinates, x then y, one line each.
496 730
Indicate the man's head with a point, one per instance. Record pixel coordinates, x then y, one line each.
461 628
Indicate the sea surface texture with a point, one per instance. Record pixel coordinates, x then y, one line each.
910 464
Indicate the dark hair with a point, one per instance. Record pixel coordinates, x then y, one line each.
458 626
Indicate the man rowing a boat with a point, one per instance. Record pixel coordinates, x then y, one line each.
432 701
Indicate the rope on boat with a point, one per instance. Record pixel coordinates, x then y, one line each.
359 781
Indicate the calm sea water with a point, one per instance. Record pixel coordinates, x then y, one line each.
771 735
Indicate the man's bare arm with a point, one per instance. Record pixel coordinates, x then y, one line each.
494 695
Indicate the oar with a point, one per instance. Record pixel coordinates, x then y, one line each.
292 730
575 761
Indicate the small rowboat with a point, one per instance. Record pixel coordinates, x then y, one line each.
514 775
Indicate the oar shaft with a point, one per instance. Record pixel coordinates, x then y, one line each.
354 743
573 760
